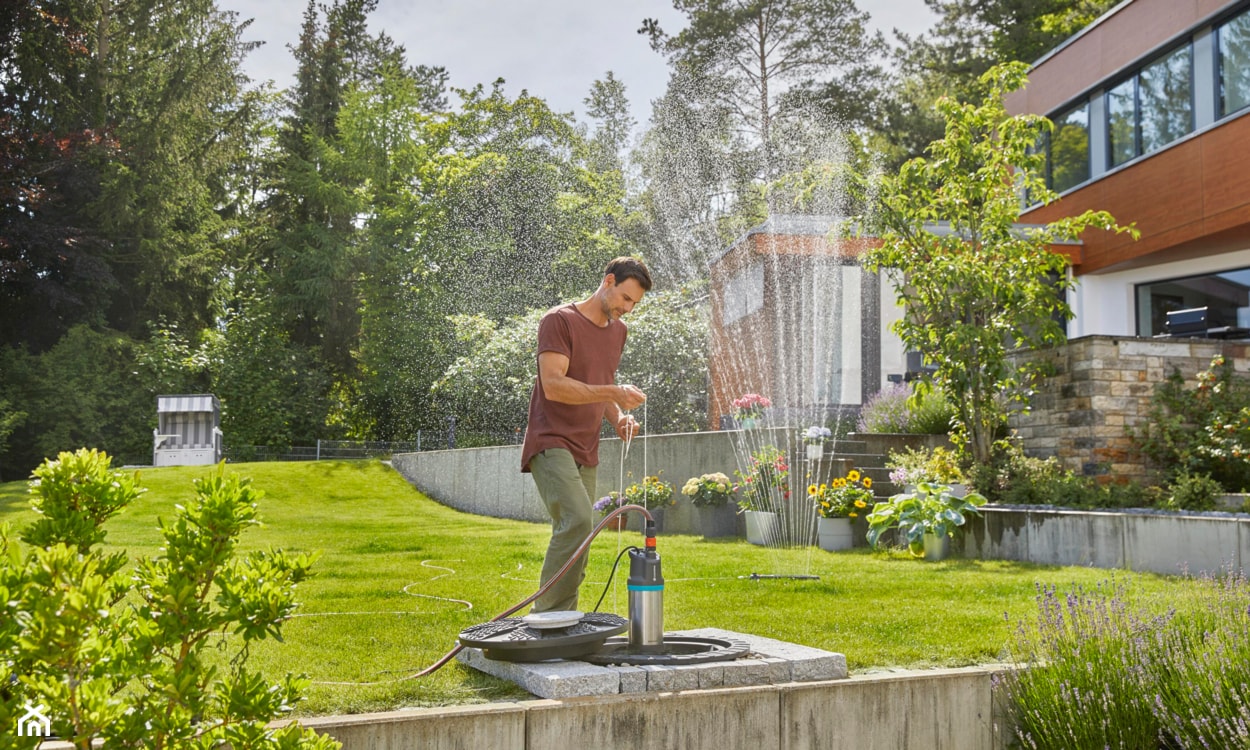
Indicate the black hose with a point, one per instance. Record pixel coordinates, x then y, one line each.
581 550
612 575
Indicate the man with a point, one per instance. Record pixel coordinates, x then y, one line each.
579 348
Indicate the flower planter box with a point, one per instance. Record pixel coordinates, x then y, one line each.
834 534
761 526
717 521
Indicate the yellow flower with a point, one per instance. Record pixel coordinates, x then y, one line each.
867 482
852 514
812 489
839 482
852 475
861 504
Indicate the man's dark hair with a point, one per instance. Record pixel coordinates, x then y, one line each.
626 267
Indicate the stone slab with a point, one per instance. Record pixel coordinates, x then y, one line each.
770 662
548 679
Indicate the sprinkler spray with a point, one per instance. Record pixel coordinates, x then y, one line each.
646 596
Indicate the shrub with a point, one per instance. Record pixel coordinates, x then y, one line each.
932 413
119 654
886 410
1102 670
896 409
1202 430
1193 492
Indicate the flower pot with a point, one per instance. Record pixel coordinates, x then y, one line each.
761 526
747 423
833 534
717 521
815 452
936 547
618 523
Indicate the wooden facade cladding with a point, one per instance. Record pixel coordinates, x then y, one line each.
1115 42
1190 199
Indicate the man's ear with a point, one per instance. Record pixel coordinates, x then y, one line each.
609 280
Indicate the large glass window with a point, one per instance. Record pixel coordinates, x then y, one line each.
1068 162
1234 46
1122 121
1225 295
1151 109
1163 95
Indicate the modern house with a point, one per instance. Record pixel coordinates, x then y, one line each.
1149 106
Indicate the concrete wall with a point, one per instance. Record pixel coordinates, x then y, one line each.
488 481
942 709
1154 542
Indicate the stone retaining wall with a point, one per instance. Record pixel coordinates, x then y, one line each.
1100 388
941 709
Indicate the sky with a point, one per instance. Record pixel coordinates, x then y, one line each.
554 49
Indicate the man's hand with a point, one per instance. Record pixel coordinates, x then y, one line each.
627 427
629 397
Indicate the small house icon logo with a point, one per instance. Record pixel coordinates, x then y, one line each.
34 723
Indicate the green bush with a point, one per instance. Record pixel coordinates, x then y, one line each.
897 409
1193 492
122 654
1012 478
1201 430
931 413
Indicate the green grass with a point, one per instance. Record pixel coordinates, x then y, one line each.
398 572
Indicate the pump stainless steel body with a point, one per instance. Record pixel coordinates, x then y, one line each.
646 601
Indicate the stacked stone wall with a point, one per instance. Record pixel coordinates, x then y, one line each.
1098 390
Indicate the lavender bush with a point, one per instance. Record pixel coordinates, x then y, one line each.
1099 670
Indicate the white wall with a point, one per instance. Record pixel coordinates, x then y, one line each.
1104 303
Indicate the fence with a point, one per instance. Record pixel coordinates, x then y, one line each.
326 449
427 440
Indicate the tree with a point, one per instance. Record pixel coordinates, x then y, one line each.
119 122
821 49
969 38
488 386
979 285
120 655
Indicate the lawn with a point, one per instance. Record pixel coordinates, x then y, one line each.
399 576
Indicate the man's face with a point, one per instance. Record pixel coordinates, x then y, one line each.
619 299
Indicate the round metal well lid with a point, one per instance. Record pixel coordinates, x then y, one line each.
512 639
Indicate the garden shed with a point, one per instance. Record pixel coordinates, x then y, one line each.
188 430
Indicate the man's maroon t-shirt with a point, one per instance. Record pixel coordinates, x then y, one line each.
593 354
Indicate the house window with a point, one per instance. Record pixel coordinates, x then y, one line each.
1067 162
1226 296
1234 61
1151 109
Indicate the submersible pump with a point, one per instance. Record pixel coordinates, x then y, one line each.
646 596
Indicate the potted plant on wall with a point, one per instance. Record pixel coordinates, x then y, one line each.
814 439
926 519
749 408
838 502
609 503
911 466
710 495
654 494
765 488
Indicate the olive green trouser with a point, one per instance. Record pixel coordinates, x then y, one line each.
566 489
